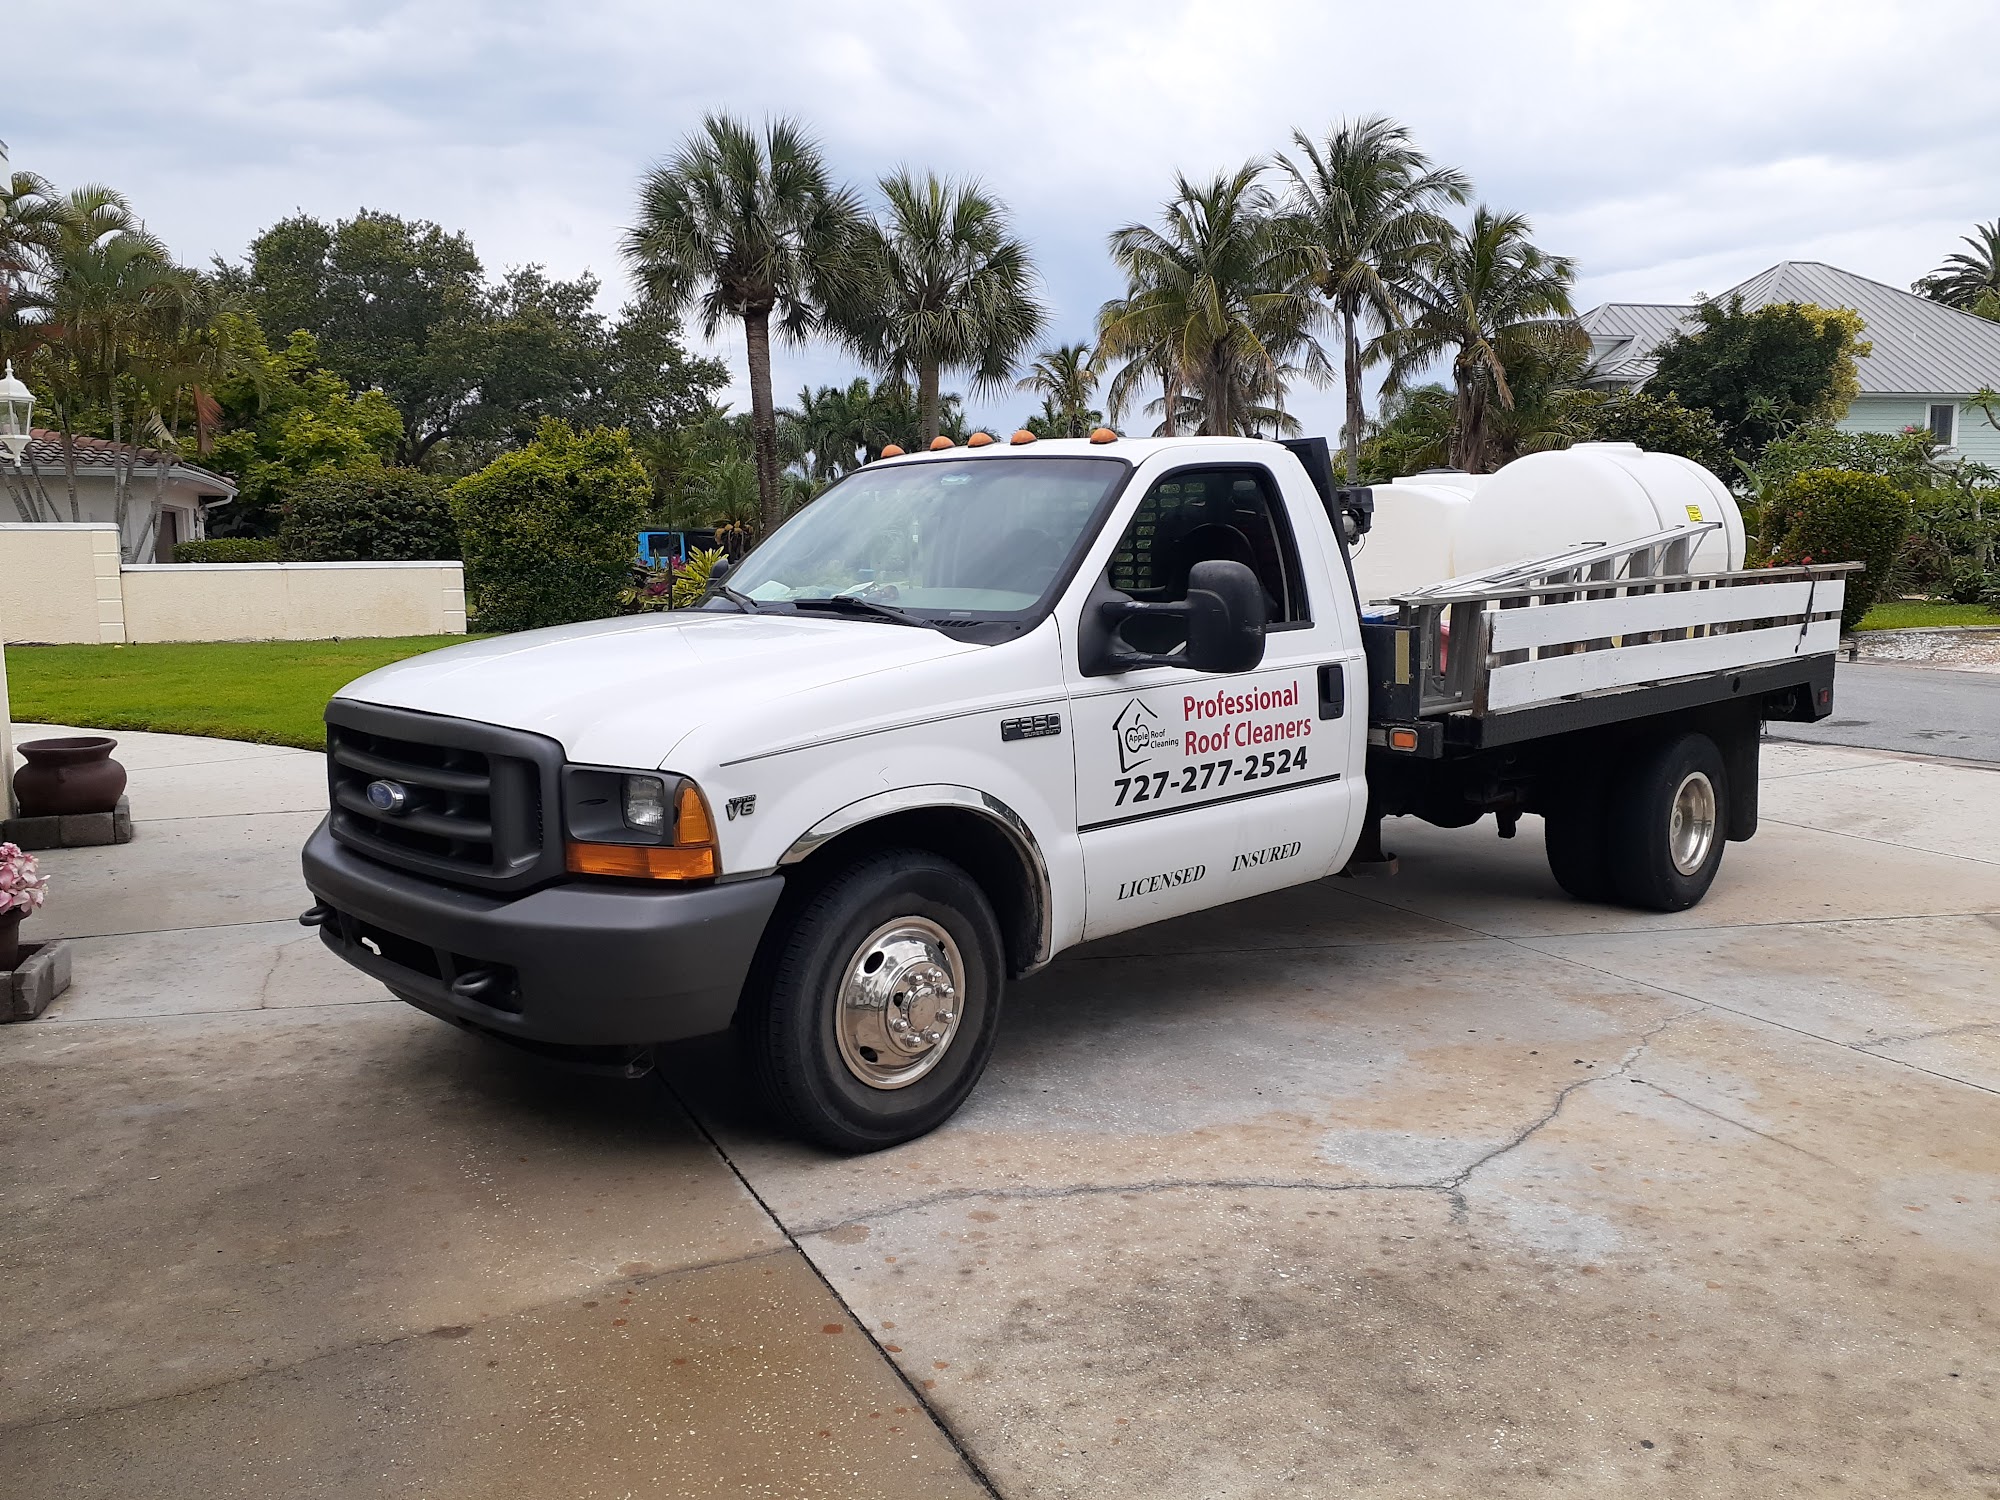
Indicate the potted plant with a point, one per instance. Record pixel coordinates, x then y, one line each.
22 888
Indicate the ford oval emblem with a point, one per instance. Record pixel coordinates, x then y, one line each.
390 798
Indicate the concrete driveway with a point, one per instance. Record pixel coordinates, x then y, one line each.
1434 1185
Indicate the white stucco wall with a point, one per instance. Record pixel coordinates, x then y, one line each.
61 584
292 601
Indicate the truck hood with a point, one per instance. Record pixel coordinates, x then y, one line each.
626 692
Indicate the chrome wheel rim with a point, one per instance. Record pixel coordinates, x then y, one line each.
898 1008
1691 828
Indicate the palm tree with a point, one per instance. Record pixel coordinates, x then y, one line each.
1470 294
1065 377
942 283
1967 280
110 301
1361 205
1215 309
750 227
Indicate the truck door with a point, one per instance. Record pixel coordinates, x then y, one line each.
1195 789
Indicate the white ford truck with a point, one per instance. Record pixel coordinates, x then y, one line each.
975 706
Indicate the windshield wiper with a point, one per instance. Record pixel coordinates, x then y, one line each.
743 602
849 604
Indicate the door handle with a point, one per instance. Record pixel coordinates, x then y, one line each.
1332 691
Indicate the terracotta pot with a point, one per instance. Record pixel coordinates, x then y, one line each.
68 776
10 939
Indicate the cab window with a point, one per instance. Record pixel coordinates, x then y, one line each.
1206 515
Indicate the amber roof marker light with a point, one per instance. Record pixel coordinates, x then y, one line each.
941 442
979 440
1023 436
1104 435
890 450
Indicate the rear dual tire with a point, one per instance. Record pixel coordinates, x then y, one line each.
1650 836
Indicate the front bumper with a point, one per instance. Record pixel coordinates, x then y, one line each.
582 964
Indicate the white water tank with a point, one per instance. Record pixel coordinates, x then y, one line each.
1439 525
1595 492
1410 543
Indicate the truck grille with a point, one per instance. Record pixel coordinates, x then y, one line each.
472 796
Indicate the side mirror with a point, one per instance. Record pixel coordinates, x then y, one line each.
1226 618
1223 616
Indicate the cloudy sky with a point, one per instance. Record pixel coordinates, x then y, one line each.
1670 148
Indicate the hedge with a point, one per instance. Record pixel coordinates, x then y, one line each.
550 530
368 515
227 549
1841 515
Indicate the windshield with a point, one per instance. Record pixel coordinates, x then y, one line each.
972 539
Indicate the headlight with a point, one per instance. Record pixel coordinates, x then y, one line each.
645 802
646 826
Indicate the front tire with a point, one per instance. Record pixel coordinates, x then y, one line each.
878 1009
1667 825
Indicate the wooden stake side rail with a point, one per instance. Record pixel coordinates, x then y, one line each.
1609 618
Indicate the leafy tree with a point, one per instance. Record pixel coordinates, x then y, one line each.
404 305
1065 377
1215 309
942 283
753 228
369 514
642 378
1970 282
1837 515
1762 371
1361 206
283 416
548 529
1660 424
1479 295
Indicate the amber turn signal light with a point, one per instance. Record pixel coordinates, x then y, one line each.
691 856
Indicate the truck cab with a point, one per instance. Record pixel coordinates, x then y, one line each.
968 709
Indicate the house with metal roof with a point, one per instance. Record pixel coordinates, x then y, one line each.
167 500
1927 359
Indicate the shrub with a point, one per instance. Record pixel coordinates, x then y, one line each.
368 515
550 530
1838 515
1967 585
227 549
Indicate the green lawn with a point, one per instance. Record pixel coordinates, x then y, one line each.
272 692
1912 614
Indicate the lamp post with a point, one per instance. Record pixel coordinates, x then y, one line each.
17 406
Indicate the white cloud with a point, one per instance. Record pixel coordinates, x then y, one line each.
1669 149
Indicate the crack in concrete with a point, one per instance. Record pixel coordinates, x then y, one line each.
1452 1187
1925 1036
1713 1114
223 1383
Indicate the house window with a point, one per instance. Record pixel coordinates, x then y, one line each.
1944 423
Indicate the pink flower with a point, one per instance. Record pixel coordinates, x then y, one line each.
22 886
